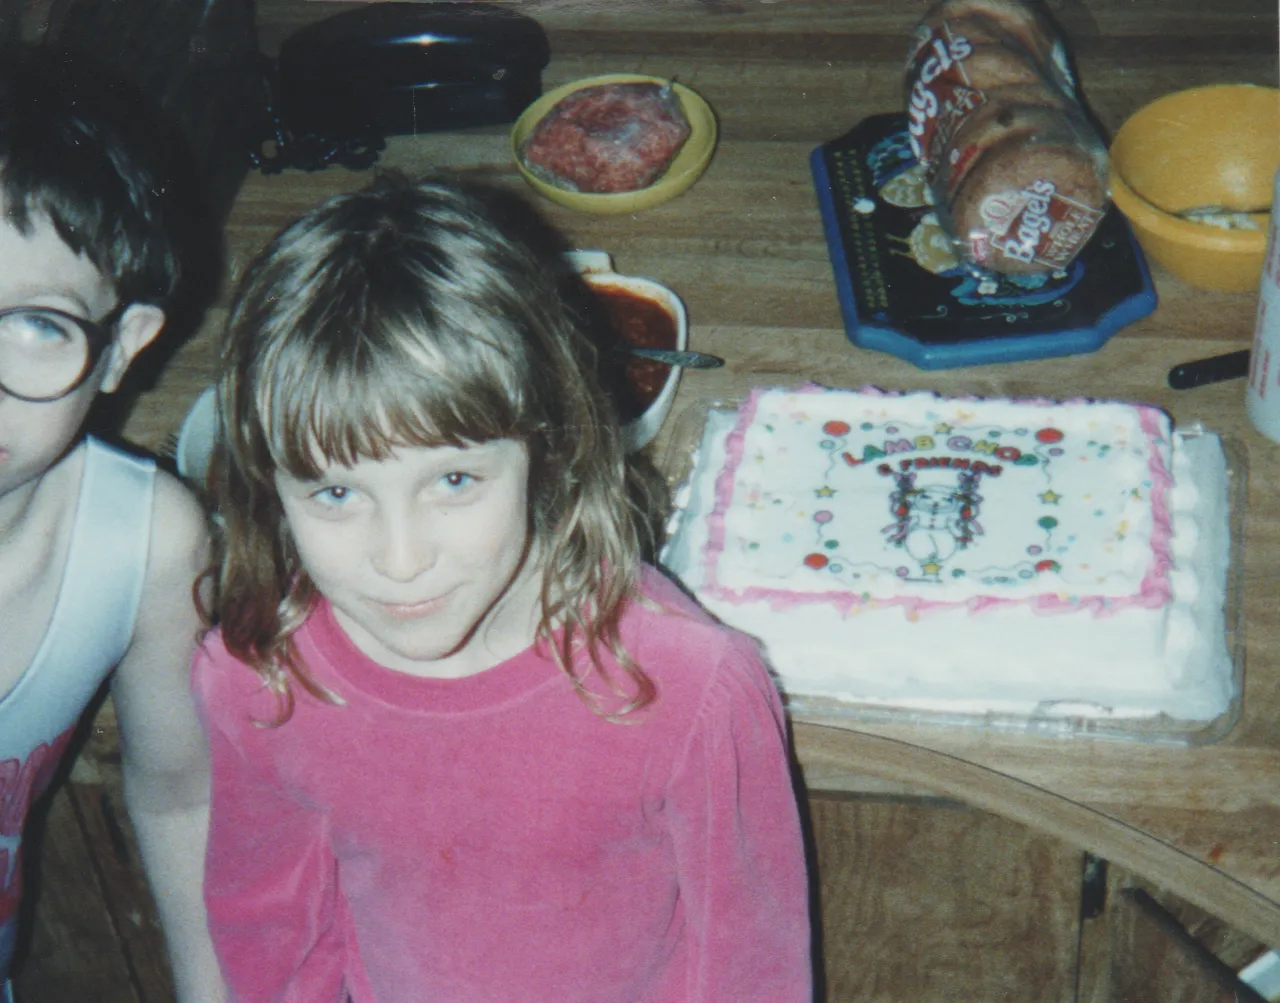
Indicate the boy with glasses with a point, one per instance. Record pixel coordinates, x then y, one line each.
99 551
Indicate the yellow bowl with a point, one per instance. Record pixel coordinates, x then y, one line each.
686 167
1207 146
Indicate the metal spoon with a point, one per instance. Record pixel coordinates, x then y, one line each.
675 357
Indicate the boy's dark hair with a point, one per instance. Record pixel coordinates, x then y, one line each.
84 149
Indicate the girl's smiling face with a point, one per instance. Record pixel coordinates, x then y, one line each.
426 555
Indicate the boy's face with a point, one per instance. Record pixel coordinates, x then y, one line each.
38 269
425 556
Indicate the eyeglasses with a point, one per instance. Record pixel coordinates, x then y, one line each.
45 353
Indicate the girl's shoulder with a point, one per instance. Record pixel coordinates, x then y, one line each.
667 627
706 674
662 603
225 685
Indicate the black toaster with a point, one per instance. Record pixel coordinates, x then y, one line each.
340 86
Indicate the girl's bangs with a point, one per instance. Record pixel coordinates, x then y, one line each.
343 396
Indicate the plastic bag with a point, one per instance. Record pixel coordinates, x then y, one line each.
608 138
1016 169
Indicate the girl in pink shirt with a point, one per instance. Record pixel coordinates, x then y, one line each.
467 747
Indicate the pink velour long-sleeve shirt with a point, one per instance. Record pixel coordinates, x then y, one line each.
490 839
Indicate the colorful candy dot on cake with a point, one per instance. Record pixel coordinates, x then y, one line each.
1033 550
903 572
1046 522
1049 436
816 561
822 517
1056 452
892 430
831 544
1046 565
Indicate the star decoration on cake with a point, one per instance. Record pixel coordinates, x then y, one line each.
942 428
932 568
826 491
1050 497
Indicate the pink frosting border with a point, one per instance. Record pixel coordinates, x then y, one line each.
1153 593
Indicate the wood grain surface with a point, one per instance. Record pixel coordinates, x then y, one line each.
745 250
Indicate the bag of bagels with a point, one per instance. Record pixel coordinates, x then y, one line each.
1015 168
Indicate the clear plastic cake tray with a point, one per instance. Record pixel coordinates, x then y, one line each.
1055 721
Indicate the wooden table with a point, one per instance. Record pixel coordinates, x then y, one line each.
744 248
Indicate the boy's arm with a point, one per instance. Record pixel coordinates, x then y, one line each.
166 763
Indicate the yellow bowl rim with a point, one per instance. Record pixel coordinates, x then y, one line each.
1174 97
1184 232
689 163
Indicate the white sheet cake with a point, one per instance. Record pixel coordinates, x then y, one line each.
966 556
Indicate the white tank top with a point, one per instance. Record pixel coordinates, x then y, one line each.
88 634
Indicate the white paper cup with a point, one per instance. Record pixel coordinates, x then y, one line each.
1262 397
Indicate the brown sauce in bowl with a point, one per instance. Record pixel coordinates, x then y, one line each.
641 321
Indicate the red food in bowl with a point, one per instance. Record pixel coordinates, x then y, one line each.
641 321
608 138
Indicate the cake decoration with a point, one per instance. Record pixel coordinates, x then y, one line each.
911 550
1077 520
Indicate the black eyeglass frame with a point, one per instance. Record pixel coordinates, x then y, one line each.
98 334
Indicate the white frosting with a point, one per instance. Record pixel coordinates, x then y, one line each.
1081 570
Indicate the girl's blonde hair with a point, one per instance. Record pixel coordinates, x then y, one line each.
419 314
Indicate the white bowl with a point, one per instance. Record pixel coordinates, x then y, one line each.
196 438
596 269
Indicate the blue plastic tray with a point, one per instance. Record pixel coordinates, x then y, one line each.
898 295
